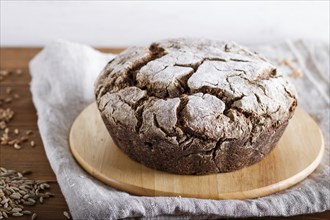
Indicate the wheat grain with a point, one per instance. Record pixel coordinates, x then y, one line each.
67 215
34 216
17 191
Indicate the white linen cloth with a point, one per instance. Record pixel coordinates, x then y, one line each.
63 76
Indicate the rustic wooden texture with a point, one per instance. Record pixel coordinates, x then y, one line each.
298 153
34 158
25 118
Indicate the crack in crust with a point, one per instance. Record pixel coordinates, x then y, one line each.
227 95
156 52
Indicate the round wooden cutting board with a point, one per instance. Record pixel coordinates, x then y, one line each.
296 156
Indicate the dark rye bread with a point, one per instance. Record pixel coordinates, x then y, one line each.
191 106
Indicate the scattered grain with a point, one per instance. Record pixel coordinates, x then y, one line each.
285 62
6 114
8 90
5 214
27 212
296 74
3 125
7 138
67 215
15 196
16 210
19 71
32 200
46 186
24 139
17 146
16 96
4 72
32 143
34 216
8 100
16 190
17 214
13 185
49 194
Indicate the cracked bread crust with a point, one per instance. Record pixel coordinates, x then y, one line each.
191 106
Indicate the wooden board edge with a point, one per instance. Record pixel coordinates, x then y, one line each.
249 194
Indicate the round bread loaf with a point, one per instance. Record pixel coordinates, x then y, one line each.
192 106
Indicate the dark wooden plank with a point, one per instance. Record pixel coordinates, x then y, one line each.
25 118
35 159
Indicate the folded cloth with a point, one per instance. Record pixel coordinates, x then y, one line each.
63 76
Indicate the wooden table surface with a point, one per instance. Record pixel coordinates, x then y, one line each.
35 159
